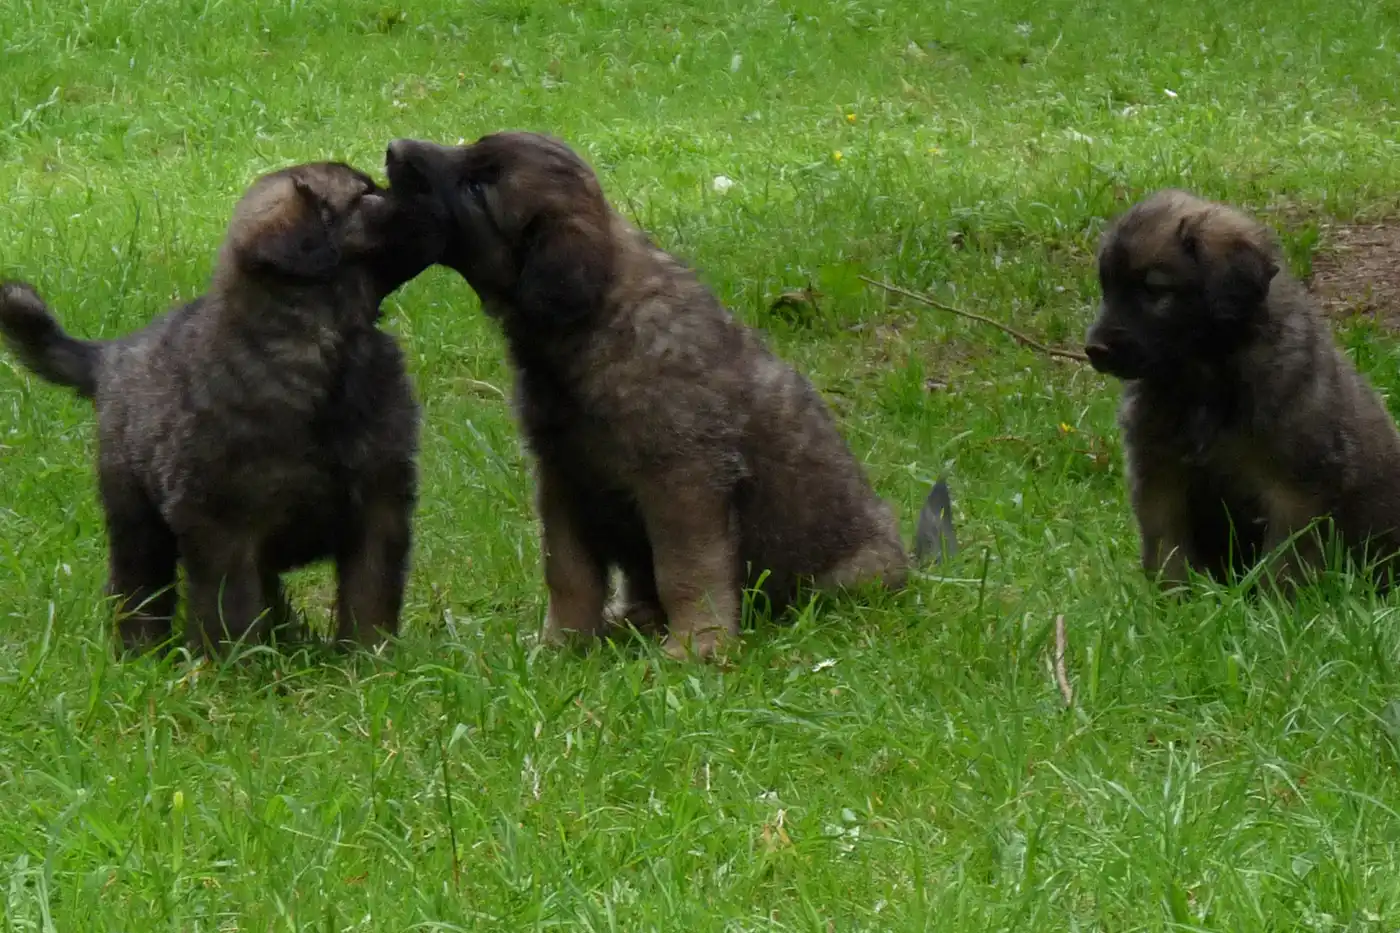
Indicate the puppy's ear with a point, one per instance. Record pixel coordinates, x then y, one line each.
1236 270
297 240
566 269
1238 284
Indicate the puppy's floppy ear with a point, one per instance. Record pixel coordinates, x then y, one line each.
565 270
1238 284
296 239
1236 270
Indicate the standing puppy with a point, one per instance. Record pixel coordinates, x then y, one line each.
264 425
670 442
1242 422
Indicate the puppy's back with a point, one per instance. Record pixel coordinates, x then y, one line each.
804 502
808 505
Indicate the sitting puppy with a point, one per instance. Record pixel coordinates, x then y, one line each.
670 443
1242 422
264 425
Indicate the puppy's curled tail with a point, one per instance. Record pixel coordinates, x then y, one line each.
934 535
34 335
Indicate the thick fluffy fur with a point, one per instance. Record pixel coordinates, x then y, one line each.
1238 412
266 424
670 443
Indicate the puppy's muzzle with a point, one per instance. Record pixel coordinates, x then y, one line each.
1113 353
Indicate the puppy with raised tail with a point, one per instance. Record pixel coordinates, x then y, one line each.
1246 430
264 425
669 442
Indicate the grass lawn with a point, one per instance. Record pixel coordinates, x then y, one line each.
905 763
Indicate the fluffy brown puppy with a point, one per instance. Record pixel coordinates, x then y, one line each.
264 425
1242 422
670 443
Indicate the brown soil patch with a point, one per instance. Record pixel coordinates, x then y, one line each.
1356 271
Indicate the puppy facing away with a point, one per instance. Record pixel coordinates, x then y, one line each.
670 444
267 424
1242 422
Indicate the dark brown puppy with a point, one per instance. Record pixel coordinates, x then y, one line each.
266 424
671 444
1242 422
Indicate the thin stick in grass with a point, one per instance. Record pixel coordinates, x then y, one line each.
1061 678
1004 328
451 821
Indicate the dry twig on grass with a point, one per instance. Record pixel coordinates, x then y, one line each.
1004 328
484 387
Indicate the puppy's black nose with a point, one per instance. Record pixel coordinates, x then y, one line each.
1100 356
1122 361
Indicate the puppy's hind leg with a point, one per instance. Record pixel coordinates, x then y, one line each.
226 592
576 578
695 550
879 559
373 571
142 558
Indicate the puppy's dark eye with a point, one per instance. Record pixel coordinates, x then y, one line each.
1155 286
476 191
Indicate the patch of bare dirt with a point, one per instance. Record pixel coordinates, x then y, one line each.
1356 271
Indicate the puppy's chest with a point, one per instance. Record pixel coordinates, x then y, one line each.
1194 424
1224 434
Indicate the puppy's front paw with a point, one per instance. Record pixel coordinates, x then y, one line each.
558 635
139 635
703 645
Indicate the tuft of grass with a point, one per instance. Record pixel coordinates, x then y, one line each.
901 762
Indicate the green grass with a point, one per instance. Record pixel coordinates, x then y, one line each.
898 764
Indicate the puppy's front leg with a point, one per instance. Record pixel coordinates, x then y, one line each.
1160 503
373 572
1290 557
694 543
576 579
